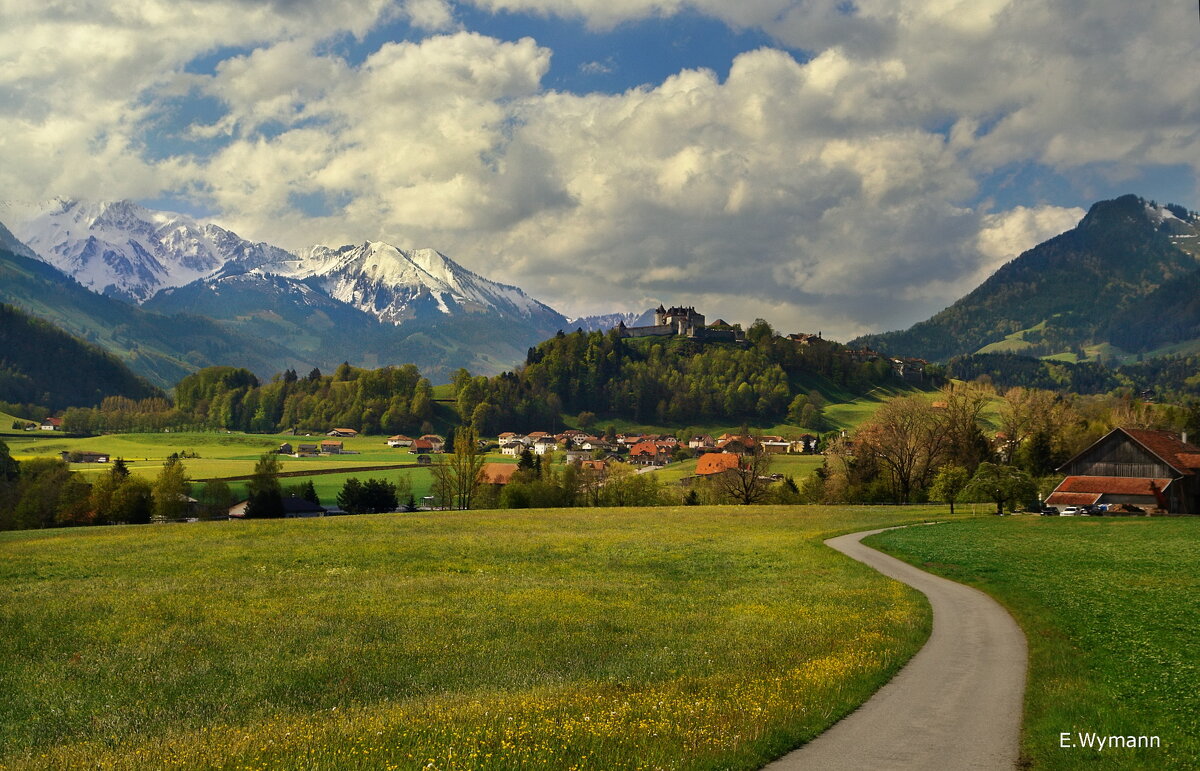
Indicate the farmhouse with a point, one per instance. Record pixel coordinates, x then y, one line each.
1149 469
399 440
649 454
420 446
711 463
435 442
51 424
343 433
307 449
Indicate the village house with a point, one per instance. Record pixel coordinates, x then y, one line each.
649 454
711 463
307 450
435 441
332 448
343 433
774 445
513 448
738 445
806 444
592 445
577 455
1153 470
399 440
544 445
420 446
701 442
510 436
285 449
51 424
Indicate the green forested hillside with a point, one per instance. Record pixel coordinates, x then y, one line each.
668 381
1067 292
42 365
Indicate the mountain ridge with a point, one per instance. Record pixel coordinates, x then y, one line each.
1058 296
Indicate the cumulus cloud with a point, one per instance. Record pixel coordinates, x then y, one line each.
827 190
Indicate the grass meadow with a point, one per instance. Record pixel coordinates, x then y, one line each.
1111 609
582 638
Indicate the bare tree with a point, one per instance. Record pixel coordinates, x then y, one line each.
749 483
908 439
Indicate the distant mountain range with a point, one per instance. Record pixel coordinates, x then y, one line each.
1124 281
371 304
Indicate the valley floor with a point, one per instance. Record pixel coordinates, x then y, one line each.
668 637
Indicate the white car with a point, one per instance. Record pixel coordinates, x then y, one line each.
1072 511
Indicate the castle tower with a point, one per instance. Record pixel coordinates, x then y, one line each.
660 315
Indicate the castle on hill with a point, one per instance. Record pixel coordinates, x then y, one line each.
684 322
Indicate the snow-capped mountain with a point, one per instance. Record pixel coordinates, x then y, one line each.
607 321
122 249
395 286
370 304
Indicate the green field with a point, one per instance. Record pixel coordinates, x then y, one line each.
1111 610
580 638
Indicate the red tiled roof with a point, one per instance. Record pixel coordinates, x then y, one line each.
1072 499
645 448
1167 446
715 463
1111 485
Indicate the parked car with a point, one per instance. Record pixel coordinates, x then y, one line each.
1071 511
1049 511
1092 510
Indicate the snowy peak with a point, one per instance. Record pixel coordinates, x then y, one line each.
395 285
123 249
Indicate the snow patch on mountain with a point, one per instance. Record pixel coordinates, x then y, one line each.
607 321
123 249
395 285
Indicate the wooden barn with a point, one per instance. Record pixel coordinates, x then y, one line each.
1145 468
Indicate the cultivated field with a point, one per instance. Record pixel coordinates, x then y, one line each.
580 638
1111 609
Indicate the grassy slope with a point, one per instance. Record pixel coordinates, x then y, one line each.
697 638
1110 608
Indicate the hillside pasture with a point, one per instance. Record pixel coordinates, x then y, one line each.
582 638
1110 607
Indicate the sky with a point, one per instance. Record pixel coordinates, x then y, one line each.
846 166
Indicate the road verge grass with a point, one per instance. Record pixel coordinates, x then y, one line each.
1111 609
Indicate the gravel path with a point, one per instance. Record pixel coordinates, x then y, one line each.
956 705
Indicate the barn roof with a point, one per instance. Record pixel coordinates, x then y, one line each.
1112 485
715 463
1164 445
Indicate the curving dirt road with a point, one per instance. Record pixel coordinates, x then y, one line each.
955 705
